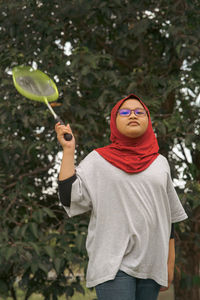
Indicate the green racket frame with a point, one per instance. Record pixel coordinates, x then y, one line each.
30 72
45 89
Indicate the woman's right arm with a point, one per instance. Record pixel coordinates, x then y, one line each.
80 202
67 168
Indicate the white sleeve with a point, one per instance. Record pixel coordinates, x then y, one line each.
177 211
80 198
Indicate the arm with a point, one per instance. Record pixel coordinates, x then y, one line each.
64 189
67 168
80 201
171 260
170 263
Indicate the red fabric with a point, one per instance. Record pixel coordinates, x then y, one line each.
131 155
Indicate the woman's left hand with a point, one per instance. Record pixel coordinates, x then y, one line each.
170 277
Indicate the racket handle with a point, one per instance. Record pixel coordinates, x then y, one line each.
67 136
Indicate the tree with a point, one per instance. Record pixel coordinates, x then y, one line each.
150 48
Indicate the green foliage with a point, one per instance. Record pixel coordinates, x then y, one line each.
150 48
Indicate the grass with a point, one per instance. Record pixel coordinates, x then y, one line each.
89 295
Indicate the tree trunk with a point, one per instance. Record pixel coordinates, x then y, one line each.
13 293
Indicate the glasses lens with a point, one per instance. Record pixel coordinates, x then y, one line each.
124 112
140 112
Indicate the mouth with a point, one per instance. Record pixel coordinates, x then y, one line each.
133 123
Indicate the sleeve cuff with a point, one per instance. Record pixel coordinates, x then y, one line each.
69 180
64 189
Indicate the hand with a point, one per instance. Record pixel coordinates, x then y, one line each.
61 130
170 277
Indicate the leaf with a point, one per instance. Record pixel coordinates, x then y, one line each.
34 267
49 212
196 280
23 229
10 251
80 242
16 231
35 247
57 264
69 291
34 229
43 267
38 216
3 287
50 251
79 288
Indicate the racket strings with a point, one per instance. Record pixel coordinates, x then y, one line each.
35 87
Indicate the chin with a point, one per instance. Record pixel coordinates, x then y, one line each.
133 135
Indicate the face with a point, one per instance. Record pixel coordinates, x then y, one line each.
132 126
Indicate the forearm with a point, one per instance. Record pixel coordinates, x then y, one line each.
171 264
171 255
67 168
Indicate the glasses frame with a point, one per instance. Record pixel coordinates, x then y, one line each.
133 110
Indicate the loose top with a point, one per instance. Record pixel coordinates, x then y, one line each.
131 216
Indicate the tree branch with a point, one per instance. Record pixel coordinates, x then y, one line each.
183 151
178 156
29 174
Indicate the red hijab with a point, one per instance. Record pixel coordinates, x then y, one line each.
131 155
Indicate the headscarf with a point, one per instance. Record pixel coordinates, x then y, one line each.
131 155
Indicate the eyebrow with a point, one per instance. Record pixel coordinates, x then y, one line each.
133 108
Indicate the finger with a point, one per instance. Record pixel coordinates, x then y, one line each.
69 128
163 289
62 128
57 125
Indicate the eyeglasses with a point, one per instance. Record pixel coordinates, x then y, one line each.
139 112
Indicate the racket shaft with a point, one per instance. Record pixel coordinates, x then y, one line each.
67 136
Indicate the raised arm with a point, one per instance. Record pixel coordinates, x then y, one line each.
67 168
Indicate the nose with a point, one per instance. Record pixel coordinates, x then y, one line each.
133 114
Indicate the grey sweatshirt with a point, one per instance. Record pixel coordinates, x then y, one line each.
131 216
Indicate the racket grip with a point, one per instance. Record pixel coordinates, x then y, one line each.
67 136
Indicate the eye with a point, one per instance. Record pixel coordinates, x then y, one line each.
140 111
124 112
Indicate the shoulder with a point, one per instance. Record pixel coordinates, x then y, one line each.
90 166
91 157
162 162
90 160
162 158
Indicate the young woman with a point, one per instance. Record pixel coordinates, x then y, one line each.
129 190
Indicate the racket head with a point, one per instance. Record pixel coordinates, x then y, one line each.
34 84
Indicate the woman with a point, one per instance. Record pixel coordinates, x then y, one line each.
129 190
